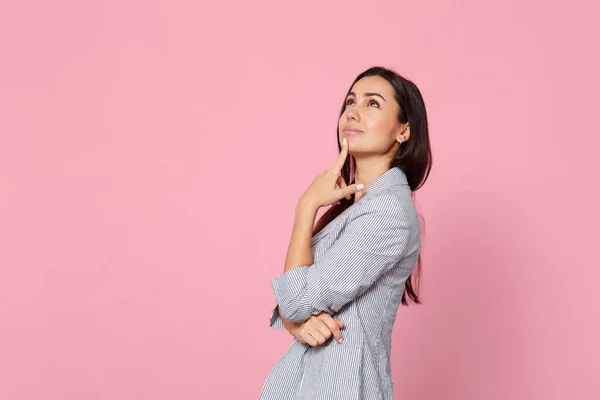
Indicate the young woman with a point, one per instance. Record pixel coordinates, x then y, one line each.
357 264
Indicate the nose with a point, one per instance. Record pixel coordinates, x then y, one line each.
351 113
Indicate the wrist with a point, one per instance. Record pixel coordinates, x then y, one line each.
306 207
290 326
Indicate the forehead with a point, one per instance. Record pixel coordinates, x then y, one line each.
375 84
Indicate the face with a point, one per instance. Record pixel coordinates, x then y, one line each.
370 120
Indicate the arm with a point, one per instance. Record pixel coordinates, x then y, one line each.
370 245
314 331
278 321
299 253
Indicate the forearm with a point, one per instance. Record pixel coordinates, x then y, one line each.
299 254
299 251
289 325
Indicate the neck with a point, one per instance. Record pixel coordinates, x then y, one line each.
367 171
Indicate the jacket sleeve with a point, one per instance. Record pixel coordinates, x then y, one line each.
370 245
275 321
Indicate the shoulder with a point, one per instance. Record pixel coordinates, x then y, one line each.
387 219
394 203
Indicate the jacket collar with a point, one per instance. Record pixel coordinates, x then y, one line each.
394 177
390 178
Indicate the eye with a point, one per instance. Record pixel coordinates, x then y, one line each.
349 101
374 102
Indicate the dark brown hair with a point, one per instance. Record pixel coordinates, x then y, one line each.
413 157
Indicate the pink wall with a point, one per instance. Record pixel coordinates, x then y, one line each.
151 155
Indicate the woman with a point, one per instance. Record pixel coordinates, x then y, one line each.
358 262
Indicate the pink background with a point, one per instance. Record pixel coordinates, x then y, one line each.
152 153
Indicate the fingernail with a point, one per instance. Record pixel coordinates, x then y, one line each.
340 341
360 186
344 142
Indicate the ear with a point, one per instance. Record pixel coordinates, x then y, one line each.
403 134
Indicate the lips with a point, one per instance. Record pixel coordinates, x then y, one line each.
352 131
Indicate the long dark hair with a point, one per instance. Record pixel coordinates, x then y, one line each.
413 157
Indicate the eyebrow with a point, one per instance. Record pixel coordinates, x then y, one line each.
367 94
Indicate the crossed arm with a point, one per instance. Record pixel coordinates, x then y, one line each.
370 245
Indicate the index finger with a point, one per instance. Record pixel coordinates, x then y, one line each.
332 325
341 159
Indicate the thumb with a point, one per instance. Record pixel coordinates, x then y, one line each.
352 189
342 184
339 322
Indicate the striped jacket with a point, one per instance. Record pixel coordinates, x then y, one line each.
361 261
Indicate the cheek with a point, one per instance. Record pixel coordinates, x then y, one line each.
381 125
375 122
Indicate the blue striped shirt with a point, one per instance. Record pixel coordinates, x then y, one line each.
361 261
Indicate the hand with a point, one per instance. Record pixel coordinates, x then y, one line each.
316 330
322 191
341 183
